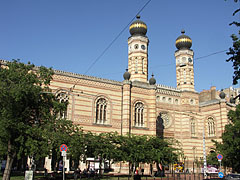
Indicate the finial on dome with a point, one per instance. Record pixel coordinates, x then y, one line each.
126 75
183 41
222 95
152 81
138 27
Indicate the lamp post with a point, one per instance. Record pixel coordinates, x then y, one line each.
204 155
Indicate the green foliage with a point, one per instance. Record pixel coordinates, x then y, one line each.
230 146
30 123
134 149
212 158
234 51
24 110
29 114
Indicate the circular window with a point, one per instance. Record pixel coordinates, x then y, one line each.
176 101
136 46
143 47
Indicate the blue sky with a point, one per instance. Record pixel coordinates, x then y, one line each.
70 35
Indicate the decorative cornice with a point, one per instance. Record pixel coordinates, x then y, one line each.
208 103
78 76
230 104
168 90
85 77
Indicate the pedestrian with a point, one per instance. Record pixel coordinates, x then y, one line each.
60 166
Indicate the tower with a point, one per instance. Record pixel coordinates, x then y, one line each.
138 51
184 63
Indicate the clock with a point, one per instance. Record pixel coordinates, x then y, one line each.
136 46
143 47
189 60
183 59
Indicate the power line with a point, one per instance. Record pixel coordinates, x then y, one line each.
218 52
104 51
165 65
211 54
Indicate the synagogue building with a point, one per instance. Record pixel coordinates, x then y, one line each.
139 105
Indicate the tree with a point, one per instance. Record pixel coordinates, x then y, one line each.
25 111
234 51
159 151
212 158
162 151
230 146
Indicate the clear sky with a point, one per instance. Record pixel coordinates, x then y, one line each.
70 35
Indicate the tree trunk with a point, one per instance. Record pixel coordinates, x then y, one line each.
10 157
100 165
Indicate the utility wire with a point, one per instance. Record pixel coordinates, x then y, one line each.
97 59
218 52
211 54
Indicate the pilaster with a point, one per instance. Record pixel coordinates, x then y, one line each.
126 116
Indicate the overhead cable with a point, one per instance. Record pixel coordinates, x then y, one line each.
111 43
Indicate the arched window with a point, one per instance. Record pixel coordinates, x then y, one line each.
136 65
193 127
143 65
139 114
101 111
63 98
194 152
211 126
184 76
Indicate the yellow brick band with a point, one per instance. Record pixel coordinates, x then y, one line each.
138 25
183 40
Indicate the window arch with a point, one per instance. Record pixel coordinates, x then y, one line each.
193 127
211 126
136 65
194 153
101 111
63 98
139 114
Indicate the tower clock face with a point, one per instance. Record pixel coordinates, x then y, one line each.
183 59
189 60
143 47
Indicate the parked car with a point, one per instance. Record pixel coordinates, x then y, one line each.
232 177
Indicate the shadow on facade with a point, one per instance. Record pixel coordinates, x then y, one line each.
159 126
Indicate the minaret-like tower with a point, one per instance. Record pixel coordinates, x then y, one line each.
184 63
138 51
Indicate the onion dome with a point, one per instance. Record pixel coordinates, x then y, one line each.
183 41
126 75
232 100
152 81
222 95
138 27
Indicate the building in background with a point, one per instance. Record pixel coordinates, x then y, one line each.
138 105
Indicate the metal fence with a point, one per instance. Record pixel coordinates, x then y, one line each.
167 176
